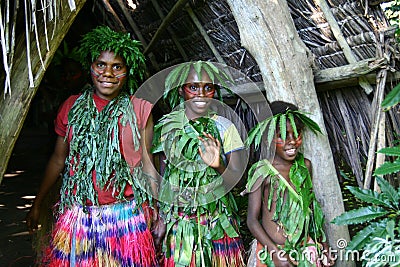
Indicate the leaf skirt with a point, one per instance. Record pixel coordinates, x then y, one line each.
223 252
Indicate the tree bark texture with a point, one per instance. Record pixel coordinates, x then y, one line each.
15 106
267 31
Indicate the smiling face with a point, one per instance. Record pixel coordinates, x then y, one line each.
108 74
197 92
287 150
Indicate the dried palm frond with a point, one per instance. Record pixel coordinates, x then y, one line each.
47 10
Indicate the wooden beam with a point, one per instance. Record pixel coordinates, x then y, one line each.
173 35
378 2
342 41
165 23
109 8
137 32
205 35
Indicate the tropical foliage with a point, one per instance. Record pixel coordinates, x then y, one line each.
380 236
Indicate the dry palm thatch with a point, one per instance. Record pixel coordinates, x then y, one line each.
36 16
349 111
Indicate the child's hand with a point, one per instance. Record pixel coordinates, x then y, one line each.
211 152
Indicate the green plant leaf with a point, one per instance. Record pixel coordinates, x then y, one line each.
308 122
389 191
390 229
271 130
392 98
293 124
282 126
368 196
360 215
390 151
388 168
374 229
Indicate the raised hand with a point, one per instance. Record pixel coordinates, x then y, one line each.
212 150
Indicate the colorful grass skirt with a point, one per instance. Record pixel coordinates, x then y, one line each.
107 235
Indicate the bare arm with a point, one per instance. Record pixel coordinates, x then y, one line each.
253 223
147 158
54 167
158 227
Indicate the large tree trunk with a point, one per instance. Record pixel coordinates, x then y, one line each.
268 33
14 107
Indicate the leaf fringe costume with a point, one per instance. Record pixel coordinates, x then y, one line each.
115 232
297 211
201 222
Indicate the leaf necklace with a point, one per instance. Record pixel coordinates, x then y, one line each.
95 146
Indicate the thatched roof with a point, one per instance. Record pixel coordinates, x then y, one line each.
176 31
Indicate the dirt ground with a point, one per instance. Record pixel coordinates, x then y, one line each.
17 191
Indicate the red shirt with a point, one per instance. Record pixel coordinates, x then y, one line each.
142 109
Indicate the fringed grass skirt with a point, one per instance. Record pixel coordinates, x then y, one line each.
107 235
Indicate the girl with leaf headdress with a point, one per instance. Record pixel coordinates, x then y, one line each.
202 153
101 149
281 194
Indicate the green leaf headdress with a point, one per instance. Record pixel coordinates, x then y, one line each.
177 77
102 39
279 120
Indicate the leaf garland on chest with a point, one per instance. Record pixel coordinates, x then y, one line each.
95 146
297 210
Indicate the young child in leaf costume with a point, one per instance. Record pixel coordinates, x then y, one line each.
104 136
202 155
283 214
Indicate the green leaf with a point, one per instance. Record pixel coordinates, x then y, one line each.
308 122
390 229
388 168
293 124
390 151
282 126
197 68
392 98
388 190
368 196
209 72
360 215
227 226
271 130
374 229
